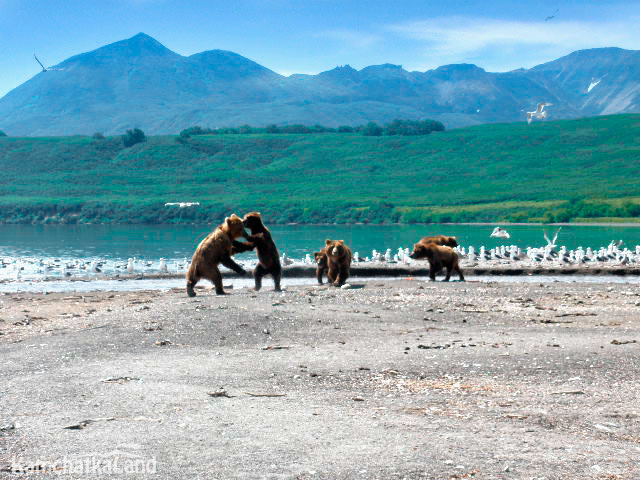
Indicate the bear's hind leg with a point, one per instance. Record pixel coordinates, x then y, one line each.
459 272
277 275
258 273
192 279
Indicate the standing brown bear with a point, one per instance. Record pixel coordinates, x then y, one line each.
268 258
216 248
443 240
335 259
439 257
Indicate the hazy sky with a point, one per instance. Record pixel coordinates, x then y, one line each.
310 36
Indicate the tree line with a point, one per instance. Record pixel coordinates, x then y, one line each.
396 127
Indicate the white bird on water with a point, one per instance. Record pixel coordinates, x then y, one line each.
539 112
499 233
130 268
163 265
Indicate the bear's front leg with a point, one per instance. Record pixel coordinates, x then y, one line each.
343 274
229 263
240 247
332 274
216 279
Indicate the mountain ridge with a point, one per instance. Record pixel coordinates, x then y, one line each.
138 82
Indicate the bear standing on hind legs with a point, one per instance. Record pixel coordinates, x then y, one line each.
268 258
216 248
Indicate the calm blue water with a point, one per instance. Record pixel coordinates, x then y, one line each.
119 242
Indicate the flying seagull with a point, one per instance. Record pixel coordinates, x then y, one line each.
43 69
538 112
551 17
182 204
551 243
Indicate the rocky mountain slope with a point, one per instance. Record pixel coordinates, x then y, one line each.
140 83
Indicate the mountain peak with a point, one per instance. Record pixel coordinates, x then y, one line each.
140 45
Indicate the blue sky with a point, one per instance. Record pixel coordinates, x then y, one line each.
307 36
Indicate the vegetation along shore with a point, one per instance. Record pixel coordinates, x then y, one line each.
563 171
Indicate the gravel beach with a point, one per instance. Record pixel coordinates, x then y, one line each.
390 379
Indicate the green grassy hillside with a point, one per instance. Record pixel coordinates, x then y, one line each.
552 171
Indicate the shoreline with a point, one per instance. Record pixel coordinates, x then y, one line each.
382 271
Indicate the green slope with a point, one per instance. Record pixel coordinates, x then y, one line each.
545 171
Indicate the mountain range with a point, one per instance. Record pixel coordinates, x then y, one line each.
138 82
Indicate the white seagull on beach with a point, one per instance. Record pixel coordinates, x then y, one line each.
539 112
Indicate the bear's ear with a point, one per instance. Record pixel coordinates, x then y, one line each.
327 242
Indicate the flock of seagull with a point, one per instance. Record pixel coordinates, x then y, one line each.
552 255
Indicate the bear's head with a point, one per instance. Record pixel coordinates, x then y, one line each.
420 250
233 226
335 248
319 255
451 242
253 221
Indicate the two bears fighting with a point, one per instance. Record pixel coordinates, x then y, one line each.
218 247
334 259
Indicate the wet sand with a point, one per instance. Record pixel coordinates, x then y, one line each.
390 379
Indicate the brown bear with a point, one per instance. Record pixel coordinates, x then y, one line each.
323 264
338 261
268 258
439 257
443 240
216 248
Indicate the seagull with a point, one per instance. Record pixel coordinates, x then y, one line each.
182 204
593 84
499 233
551 17
538 112
43 69
46 69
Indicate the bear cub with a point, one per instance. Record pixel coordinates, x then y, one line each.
268 258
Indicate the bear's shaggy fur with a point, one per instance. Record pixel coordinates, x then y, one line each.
323 264
443 240
216 248
439 257
338 261
268 258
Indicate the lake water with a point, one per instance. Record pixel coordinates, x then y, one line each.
36 252
120 242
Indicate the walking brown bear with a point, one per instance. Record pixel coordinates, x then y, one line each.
268 258
335 259
439 257
216 248
443 240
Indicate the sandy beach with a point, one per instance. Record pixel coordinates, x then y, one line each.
394 379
